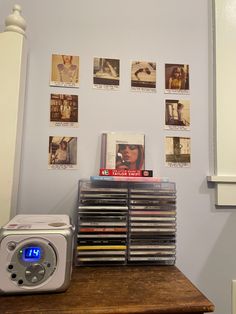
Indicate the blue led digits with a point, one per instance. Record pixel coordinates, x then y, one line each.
31 254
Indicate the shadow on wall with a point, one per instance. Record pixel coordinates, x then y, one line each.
220 268
66 204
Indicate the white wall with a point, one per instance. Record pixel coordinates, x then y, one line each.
165 31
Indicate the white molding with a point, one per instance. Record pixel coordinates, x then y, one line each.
225 109
221 179
13 62
15 22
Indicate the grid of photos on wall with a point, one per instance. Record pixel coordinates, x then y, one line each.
106 76
177 115
64 108
64 112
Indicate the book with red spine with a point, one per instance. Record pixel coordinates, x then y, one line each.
125 172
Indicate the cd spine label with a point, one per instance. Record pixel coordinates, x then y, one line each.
125 224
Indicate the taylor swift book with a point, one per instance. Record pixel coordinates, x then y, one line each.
122 150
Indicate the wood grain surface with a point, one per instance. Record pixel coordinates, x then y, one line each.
102 290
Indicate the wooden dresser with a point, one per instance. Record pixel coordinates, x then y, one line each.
124 289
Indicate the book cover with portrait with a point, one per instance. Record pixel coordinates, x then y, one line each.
121 150
64 110
62 152
65 71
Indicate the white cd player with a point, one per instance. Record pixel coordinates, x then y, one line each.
36 254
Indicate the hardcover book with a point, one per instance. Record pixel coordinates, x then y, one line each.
124 151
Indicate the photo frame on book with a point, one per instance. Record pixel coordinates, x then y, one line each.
120 150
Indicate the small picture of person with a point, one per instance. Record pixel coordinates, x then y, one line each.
177 114
64 110
106 72
65 70
143 75
130 156
177 78
61 156
62 151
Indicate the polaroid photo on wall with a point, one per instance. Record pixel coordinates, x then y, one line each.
106 73
177 114
177 151
62 152
177 78
65 71
64 110
143 76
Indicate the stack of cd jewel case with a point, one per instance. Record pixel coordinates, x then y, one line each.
125 223
102 223
152 223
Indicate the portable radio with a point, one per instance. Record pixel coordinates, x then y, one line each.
36 254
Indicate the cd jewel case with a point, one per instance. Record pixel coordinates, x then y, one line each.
124 223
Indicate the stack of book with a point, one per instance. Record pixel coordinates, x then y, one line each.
123 158
127 176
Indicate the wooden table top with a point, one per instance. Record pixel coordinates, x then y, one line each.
125 289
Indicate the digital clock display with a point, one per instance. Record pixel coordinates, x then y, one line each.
31 253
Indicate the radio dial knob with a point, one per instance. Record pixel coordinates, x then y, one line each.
34 273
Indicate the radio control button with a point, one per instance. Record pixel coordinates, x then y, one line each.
11 246
34 273
41 272
13 276
34 279
10 267
47 264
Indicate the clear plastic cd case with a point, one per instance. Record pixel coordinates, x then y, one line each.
125 223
